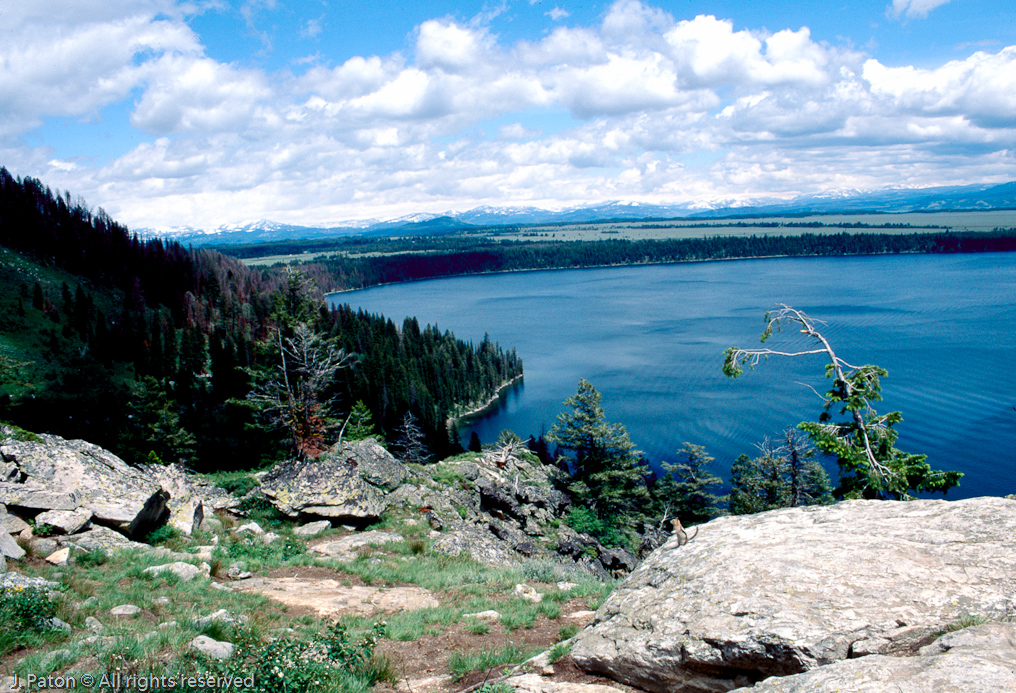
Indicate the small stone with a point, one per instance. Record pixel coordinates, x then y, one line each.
236 572
489 615
55 623
125 610
184 571
89 603
59 557
250 528
43 547
580 614
169 624
161 601
566 586
221 615
212 648
528 593
547 671
312 528
94 625
219 586
204 552
270 537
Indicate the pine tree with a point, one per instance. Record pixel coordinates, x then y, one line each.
607 472
684 488
474 443
359 425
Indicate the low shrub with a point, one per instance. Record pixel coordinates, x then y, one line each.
332 660
25 612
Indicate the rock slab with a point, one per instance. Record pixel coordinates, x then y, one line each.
73 475
792 590
981 659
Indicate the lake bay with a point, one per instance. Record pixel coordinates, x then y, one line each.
650 339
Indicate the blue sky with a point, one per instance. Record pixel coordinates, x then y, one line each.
205 112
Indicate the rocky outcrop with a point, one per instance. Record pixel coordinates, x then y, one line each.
74 476
347 484
190 498
792 590
980 659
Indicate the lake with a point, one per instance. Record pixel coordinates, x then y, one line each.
650 339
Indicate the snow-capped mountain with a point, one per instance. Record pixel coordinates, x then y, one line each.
970 197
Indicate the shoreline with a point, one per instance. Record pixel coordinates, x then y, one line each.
637 264
454 420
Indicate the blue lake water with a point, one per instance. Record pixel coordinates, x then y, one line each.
651 338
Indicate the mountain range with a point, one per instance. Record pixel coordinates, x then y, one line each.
887 200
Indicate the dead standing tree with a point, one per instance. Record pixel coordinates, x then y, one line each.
293 396
863 444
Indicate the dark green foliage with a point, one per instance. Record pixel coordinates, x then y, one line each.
608 474
784 475
607 531
162 535
358 423
474 443
153 430
24 612
683 490
237 483
284 664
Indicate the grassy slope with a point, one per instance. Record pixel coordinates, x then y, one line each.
141 644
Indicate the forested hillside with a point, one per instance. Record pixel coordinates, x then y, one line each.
151 349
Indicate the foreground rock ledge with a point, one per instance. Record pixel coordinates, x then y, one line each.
787 591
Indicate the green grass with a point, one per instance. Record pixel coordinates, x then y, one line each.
462 663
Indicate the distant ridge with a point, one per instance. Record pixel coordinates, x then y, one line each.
886 200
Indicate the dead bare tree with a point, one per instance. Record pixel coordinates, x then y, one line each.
293 395
864 443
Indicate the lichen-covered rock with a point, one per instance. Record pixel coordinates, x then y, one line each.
375 464
58 474
791 590
981 659
347 484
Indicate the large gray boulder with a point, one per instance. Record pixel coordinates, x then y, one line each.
981 659
791 590
346 484
70 475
